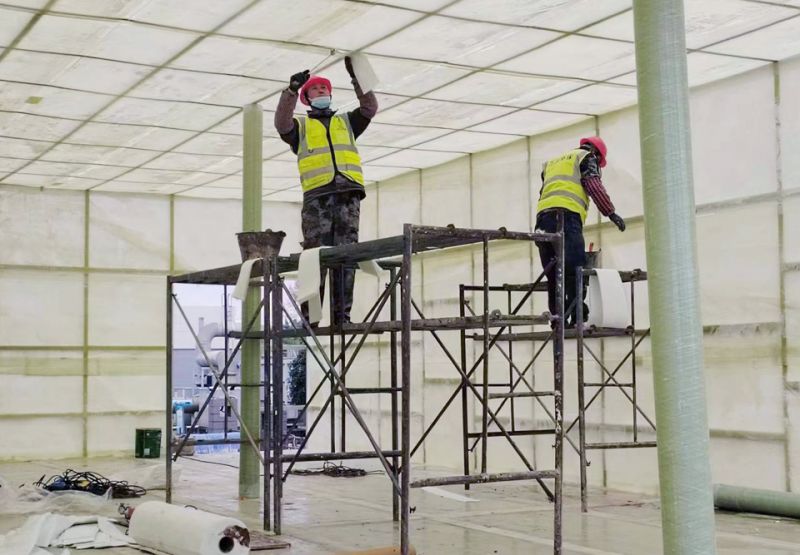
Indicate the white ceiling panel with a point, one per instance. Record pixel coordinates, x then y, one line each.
440 113
399 136
163 113
529 122
11 23
172 84
276 168
10 165
72 71
373 172
205 14
411 158
704 68
331 23
54 181
413 78
143 175
422 5
110 134
707 21
595 99
576 56
227 182
469 141
122 186
776 42
285 156
21 148
28 126
253 58
34 4
122 41
293 195
50 101
98 155
211 192
271 184
565 15
371 152
213 143
187 162
469 43
91 171
506 90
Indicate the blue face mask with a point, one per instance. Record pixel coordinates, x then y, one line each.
321 102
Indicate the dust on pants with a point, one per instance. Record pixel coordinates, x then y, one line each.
329 221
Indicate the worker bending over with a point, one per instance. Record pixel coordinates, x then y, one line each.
330 168
568 182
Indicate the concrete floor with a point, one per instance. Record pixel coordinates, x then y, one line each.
323 515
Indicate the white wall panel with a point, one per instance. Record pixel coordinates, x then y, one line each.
733 148
41 437
205 233
445 194
127 310
500 194
41 308
790 122
116 435
41 227
41 394
129 231
739 268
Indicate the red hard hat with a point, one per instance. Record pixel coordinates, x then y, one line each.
313 80
597 143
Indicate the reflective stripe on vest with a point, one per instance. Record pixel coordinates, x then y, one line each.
314 161
562 186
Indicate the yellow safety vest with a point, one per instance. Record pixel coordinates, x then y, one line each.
317 166
562 186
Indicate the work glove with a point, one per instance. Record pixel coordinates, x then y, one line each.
348 64
619 222
298 80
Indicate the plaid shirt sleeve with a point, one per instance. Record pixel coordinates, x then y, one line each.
593 183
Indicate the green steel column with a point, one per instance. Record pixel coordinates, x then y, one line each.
249 465
687 508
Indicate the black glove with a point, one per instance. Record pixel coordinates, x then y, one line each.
619 222
298 80
348 64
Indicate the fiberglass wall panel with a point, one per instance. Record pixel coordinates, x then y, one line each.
789 114
500 194
41 307
129 231
127 310
41 227
445 194
205 233
734 157
738 268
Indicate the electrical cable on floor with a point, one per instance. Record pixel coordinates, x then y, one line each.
90 482
335 471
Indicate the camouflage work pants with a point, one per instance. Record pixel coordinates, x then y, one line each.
330 221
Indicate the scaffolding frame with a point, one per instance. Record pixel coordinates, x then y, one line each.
338 360
579 333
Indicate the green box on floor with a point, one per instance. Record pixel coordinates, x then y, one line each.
148 443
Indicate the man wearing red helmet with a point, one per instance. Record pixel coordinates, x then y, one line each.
329 166
568 182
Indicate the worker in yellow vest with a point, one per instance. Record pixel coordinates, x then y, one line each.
330 168
568 182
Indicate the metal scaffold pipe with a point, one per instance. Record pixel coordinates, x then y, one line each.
687 509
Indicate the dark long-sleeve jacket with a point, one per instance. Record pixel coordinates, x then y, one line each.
288 128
